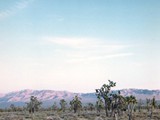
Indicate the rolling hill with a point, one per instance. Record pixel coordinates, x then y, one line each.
48 97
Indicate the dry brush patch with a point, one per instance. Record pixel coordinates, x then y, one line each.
83 115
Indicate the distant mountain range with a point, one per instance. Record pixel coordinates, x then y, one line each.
48 97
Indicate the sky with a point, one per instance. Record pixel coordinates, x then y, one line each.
78 45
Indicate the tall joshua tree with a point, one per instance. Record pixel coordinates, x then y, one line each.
76 103
104 92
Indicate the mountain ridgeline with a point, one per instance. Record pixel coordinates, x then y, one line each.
48 97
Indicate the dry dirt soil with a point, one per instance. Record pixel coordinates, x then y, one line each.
83 115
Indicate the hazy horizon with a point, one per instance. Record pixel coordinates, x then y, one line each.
73 91
78 45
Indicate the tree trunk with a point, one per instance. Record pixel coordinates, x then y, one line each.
75 108
151 113
106 108
130 110
129 117
116 116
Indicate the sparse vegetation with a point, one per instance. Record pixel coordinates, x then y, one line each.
109 106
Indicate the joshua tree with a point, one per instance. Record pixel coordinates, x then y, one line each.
117 104
76 103
13 108
33 105
63 104
90 106
54 106
104 92
131 101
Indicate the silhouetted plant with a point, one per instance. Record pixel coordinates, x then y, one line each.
104 93
153 105
34 104
76 103
117 104
90 106
54 106
13 108
63 104
99 104
131 102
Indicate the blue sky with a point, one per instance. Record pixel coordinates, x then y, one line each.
77 45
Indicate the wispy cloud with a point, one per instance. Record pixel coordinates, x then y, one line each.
82 43
93 58
88 49
19 5
68 42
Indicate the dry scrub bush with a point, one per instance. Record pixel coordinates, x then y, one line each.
14 117
98 118
53 118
